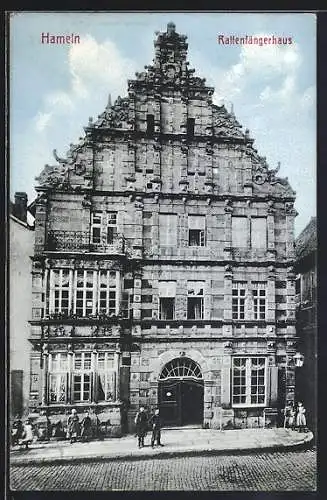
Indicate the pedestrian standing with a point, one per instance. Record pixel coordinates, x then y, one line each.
301 421
289 415
156 424
141 423
86 427
73 426
27 433
17 430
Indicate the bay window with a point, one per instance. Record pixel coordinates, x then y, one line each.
87 377
84 292
249 381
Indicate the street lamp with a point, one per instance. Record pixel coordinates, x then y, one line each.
298 359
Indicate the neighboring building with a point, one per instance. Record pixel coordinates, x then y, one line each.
162 270
21 247
306 301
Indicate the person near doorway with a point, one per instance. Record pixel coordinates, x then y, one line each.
73 426
301 421
141 423
156 425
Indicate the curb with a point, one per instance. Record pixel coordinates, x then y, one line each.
306 443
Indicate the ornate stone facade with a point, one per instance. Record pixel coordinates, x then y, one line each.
164 239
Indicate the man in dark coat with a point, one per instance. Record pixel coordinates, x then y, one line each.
141 423
86 427
156 424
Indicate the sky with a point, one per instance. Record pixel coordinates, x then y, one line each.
54 89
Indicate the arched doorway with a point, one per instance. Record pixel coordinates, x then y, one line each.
180 392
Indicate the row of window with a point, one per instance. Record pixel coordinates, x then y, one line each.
93 378
245 231
89 377
88 292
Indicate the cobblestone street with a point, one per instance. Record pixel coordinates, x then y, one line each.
275 471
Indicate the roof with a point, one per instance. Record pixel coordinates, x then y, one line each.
306 242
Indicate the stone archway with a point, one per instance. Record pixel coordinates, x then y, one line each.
181 392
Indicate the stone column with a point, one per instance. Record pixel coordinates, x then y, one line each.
271 298
44 374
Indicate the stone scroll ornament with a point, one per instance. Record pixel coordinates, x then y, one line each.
57 176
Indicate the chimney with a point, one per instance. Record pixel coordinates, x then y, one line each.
20 207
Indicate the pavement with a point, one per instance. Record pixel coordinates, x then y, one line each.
177 442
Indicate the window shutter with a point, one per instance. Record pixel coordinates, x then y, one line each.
272 386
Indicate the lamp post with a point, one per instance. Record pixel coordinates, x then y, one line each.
298 360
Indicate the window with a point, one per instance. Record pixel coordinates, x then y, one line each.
239 232
60 291
238 300
84 292
258 232
196 230
168 229
150 125
126 305
167 294
106 377
108 303
58 367
190 128
103 228
181 367
259 299
249 381
85 296
82 375
195 299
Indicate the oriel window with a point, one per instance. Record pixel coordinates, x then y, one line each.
60 299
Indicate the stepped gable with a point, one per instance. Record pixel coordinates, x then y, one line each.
168 75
